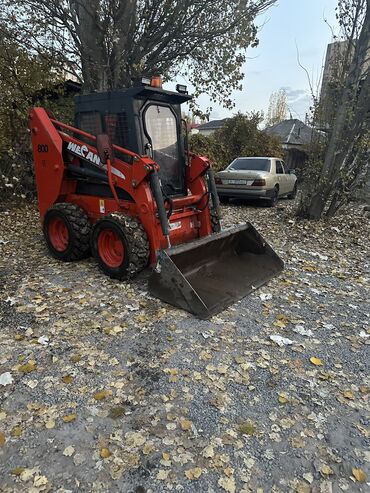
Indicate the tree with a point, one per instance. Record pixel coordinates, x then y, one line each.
277 108
109 42
347 152
240 136
25 78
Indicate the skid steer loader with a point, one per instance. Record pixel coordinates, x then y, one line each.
121 184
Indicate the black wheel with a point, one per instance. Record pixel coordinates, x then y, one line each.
293 194
67 232
215 220
120 245
274 198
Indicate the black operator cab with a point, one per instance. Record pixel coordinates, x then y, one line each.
143 119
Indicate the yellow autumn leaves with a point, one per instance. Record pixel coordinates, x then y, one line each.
316 361
359 474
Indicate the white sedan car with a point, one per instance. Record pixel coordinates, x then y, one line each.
256 178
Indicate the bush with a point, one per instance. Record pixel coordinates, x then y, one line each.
240 136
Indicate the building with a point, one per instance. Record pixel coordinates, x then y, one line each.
210 127
294 136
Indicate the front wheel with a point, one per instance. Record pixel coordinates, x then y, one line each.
120 245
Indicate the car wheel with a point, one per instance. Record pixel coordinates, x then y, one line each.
293 194
274 198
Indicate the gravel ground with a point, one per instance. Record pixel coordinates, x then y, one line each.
104 389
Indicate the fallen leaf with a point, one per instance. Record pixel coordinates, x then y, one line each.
193 473
6 378
28 367
17 471
27 474
208 452
69 451
326 470
40 481
228 484
348 394
229 471
281 341
359 474
116 412
69 417
2 439
185 424
16 431
162 475
105 453
135 439
50 424
75 358
316 361
308 476
67 379
282 398
247 428
148 448
99 396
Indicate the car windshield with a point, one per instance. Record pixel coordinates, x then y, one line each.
250 164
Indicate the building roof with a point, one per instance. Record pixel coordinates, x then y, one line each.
213 124
293 132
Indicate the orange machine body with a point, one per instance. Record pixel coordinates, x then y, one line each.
58 148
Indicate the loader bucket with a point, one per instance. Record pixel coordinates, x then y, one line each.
207 275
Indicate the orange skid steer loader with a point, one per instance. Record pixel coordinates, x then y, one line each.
122 185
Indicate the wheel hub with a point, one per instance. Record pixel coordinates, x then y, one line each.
58 234
111 248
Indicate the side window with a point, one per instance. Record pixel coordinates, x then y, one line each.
283 166
90 122
279 168
117 128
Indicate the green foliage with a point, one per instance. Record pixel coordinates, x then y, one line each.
24 77
107 43
240 136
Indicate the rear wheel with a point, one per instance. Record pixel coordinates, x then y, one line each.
293 194
274 198
120 245
67 232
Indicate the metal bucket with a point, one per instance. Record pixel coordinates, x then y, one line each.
207 275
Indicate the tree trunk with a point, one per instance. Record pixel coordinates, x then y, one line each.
92 44
344 123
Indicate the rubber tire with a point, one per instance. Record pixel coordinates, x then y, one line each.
215 220
135 242
292 196
79 229
274 199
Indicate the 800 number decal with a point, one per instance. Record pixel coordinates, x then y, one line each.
42 148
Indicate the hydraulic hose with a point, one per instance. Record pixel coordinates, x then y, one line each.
158 197
213 191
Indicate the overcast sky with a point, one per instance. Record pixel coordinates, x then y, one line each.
289 25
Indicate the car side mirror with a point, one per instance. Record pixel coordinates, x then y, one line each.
104 147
